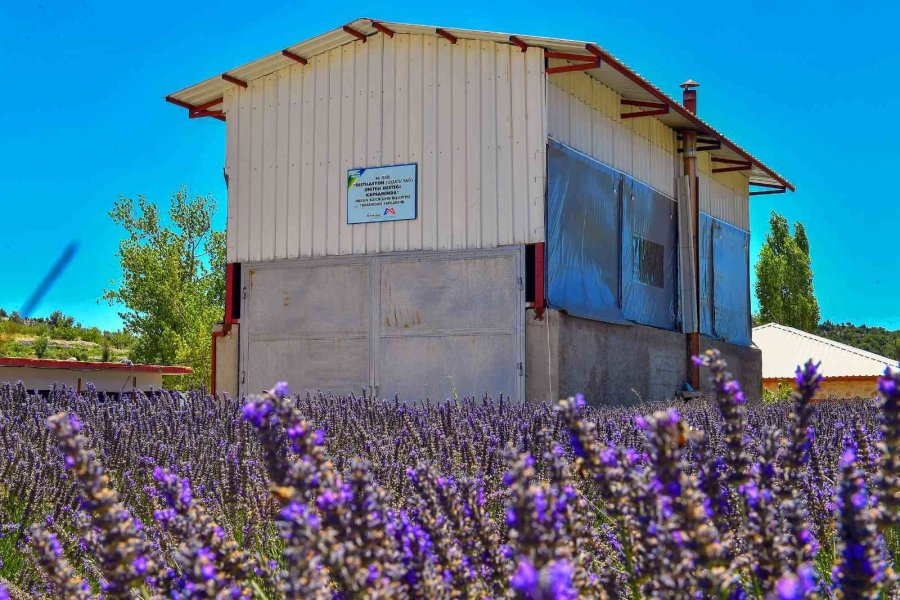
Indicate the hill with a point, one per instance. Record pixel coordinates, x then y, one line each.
58 336
879 340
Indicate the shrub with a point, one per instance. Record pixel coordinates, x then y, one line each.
40 346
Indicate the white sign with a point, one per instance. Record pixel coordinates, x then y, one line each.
377 194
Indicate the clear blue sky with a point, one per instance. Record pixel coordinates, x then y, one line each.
810 88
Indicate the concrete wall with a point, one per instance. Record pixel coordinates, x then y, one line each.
111 381
617 364
227 368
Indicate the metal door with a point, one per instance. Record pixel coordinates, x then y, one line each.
450 324
306 322
416 324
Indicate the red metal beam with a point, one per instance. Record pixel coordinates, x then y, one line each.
208 105
744 167
229 291
180 103
777 186
644 104
216 114
200 110
729 161
357 34
446 35
780 190
635 78
234 80
568 68
540 303
516 41
645 113
382 29
295 57
569 56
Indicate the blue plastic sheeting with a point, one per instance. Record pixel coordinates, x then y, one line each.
582 250
706 275
649 256
731 289
724 281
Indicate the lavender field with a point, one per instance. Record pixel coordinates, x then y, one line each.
323 496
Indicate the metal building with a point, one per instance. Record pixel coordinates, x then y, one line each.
848 372
43 374
428 211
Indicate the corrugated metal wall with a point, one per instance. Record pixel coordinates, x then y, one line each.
725 196
471 115
585 114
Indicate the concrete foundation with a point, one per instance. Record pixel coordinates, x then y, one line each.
617 364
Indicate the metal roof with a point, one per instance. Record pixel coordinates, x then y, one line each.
205 98
785 348
80 365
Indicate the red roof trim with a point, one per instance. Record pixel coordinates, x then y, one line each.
78 365
701 125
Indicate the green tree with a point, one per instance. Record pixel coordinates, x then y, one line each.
173 281
784 277
58 319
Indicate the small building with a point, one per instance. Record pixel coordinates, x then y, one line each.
848 372
428 211
41 374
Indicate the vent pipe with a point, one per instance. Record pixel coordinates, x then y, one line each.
689 96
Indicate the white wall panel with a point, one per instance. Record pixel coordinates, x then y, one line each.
725 196
471 115
584 114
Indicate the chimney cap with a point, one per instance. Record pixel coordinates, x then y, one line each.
689 84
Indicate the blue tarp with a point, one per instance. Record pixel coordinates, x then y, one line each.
731 289
649 256
582 235
724 281
612 252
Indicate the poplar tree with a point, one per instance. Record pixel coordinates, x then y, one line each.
784 277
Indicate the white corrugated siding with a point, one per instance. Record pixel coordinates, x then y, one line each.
584 113
471 115
725 196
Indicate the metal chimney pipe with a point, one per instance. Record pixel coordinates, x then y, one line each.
689 96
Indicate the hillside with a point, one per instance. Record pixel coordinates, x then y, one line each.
879 340
58 336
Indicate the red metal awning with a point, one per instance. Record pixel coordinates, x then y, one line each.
80 365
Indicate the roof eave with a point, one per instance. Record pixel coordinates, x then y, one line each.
200 98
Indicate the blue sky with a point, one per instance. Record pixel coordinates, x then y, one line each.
810 88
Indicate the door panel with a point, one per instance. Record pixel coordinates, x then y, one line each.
450 324
307 323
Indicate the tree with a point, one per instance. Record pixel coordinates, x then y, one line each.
784 277
58 319
173 281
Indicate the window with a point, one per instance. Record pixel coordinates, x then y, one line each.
647 261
